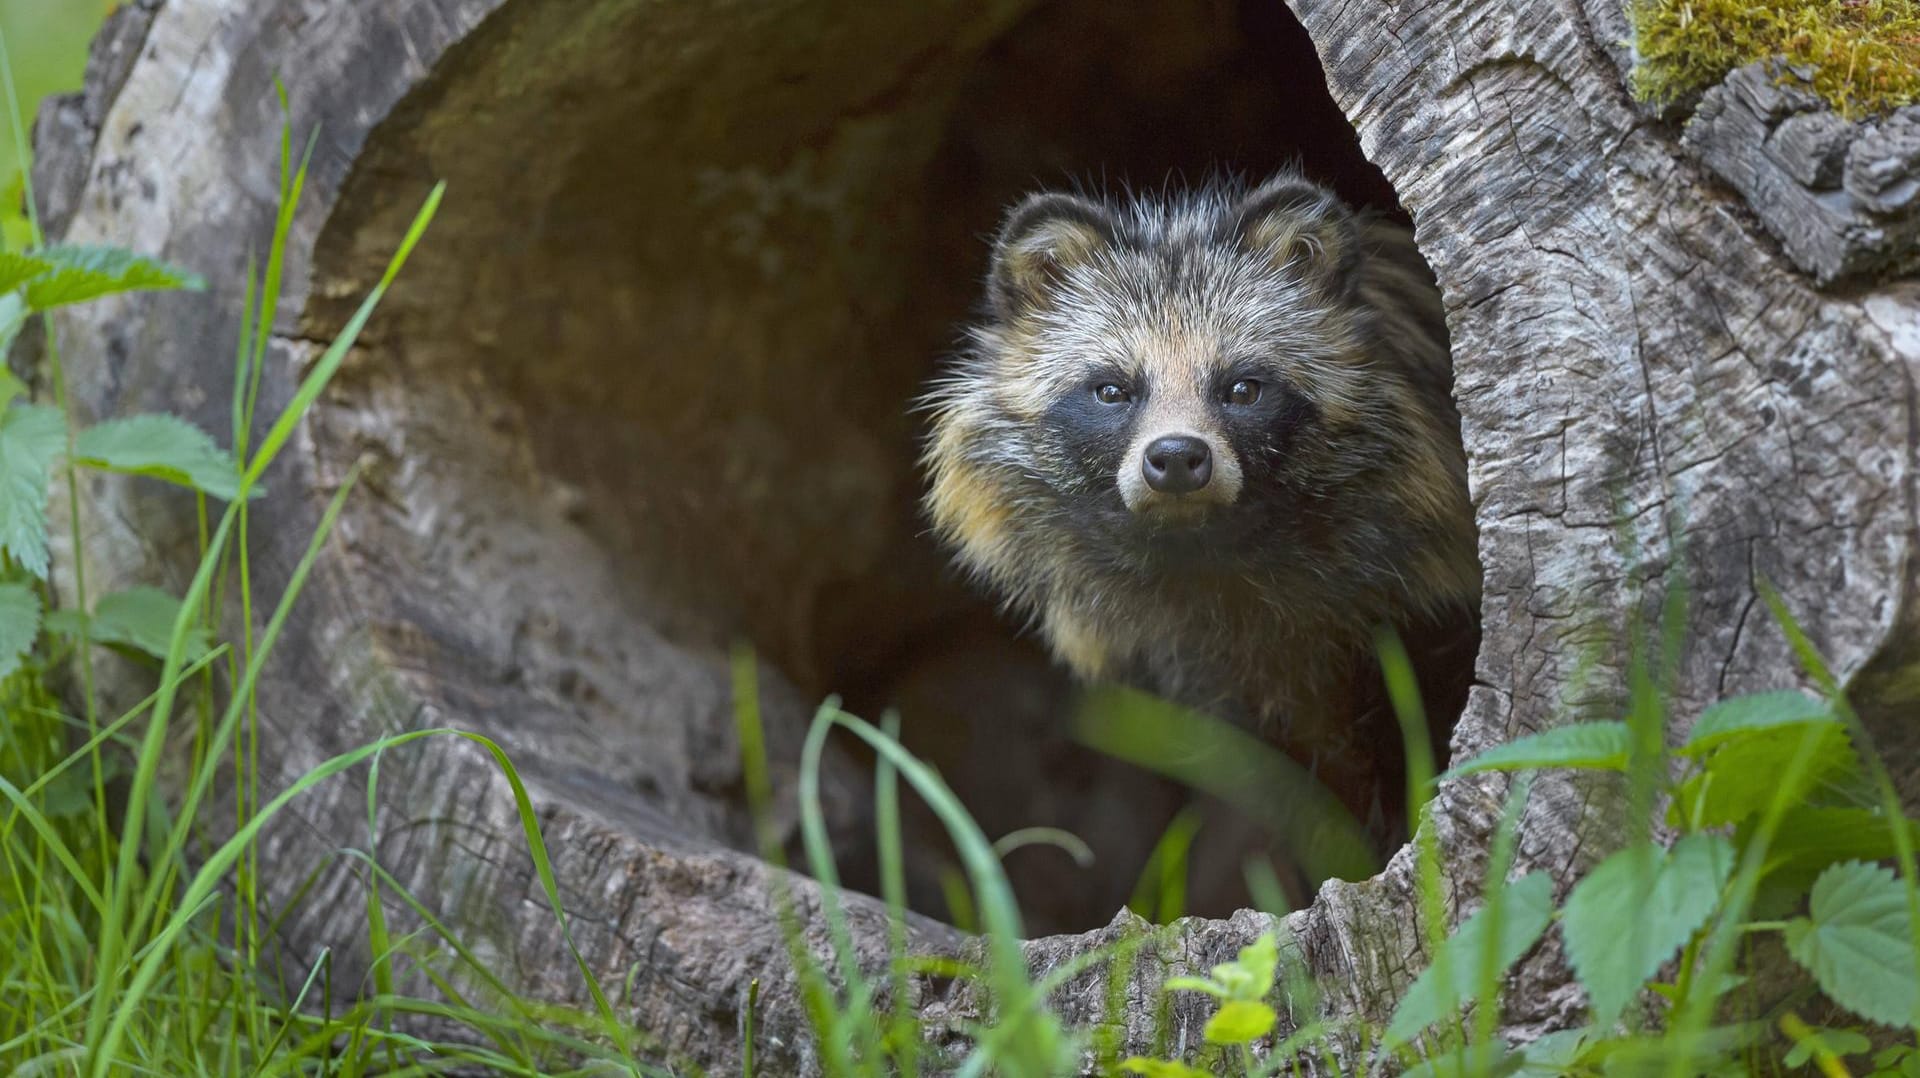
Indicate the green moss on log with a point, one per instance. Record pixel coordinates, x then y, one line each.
1864 54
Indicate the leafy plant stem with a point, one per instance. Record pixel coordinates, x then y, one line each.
1816 668
57 373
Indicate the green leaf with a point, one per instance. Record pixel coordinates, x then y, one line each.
1742 715
1834 1042
1634 910
1240 1021
19 623
10 387
70 623
32 436
78 274
143 618
1856 943
17 268
162 447
1525 908
1742 776
1162 1068
1598 745
1555 1053
1810 838
1899 1061
1250 975
13 315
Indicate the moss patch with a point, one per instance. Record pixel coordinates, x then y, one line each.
1865 54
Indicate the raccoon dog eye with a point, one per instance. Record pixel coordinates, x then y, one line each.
1111 394
1245 391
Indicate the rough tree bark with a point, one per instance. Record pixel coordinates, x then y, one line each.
684 266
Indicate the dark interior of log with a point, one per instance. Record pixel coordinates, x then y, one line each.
647 389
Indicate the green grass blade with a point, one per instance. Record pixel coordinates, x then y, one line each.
200 889
236 704
853 1021
54 844
316 380
106 733
903 1031
112 943
119 913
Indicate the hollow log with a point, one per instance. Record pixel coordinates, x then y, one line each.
642 393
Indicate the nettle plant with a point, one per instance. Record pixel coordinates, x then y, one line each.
1783 817
1770 784
1244 1016
36 438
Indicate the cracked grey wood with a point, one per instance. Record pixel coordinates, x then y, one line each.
1639 372
1842 198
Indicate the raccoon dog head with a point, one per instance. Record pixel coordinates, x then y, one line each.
1166 368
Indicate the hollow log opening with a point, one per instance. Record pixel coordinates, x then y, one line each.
646 392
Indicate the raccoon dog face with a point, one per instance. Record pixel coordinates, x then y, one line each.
1173 371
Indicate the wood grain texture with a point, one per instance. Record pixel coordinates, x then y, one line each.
1842 198
1649 392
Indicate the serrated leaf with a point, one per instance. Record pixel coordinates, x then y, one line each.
143 618
1594 745
1742 776
17 268
1634 911
161 447
1742 715
1856 943
1240 1021
1525 908
32 436
76 274
19 624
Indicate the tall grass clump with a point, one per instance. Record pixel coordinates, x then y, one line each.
137 939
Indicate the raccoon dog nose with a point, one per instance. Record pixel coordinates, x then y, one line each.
1177 464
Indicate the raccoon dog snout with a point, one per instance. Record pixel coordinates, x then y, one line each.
1177 464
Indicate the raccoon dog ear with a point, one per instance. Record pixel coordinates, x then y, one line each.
1305 229
1044 237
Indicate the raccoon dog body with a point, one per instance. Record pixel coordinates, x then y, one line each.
1206 442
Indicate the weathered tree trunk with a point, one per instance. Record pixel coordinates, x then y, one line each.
641 392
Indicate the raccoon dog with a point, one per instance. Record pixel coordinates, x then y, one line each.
1206 442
